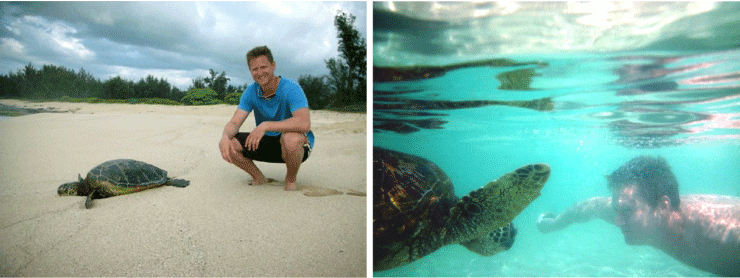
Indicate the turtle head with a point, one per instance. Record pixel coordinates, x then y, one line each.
495 204
493 242
70 188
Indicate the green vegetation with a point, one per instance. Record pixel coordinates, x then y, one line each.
344 89
204 96
348 73
159 101
315 89
50 82
233 98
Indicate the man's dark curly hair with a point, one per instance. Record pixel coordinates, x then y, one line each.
651 175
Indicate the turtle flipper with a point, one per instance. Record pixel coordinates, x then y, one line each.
89 201
179 183
497 240
495 204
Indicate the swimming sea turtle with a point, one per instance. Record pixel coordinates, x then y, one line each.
118 177
416 211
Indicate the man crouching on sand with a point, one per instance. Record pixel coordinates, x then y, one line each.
283 133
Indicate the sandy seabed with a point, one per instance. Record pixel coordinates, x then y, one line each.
217 226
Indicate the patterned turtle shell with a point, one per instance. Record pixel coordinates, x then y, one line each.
118 177
411 194
123 176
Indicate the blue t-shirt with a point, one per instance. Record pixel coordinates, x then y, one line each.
288 98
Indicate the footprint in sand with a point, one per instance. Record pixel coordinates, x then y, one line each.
314 191
270 181
317 191
355 193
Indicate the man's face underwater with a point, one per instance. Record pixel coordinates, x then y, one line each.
637 220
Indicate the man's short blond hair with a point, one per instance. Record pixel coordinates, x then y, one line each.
259 51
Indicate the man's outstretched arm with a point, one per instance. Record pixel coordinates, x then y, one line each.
584 211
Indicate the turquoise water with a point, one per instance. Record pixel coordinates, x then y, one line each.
607 107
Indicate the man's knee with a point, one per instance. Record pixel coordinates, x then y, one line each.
237 145
292 141
239 149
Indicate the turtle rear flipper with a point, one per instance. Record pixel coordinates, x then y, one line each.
495 241
179 183
496 204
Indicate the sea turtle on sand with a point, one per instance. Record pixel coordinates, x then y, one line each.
416 211
118 177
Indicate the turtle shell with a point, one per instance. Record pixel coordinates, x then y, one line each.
123 176
411 194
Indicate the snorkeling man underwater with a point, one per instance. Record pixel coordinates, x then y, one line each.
702 231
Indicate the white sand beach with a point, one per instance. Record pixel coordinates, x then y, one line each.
217 226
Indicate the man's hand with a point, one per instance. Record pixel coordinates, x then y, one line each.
227 149
253 140
545 222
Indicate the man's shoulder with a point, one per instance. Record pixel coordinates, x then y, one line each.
290 83
251 91
247 98
252 87
291 89
710 199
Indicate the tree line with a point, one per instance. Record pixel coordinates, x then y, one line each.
345 86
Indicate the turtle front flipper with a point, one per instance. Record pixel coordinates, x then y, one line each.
89 201
495 204
495 241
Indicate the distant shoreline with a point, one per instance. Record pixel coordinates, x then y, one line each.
14 111
7 107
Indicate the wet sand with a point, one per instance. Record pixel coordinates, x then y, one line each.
217 226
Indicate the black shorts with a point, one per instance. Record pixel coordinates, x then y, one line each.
268 150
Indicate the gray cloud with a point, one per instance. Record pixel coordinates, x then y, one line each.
175 40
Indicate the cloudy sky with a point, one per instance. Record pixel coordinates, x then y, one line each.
179 41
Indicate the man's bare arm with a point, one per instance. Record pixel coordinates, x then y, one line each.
232 127
597 207
299 122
